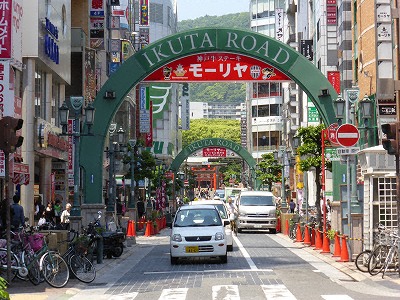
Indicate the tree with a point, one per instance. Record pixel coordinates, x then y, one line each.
211 128
231 170
310 151
268 170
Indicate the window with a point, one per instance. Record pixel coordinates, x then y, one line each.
156 13
40 94
384 202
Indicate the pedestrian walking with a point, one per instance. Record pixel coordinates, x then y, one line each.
292 206
18 217
65 217
57 212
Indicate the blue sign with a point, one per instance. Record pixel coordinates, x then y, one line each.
51 48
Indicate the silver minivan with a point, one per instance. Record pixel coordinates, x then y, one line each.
257 210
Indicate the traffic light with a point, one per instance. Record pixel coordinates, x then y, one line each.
9 140
391 143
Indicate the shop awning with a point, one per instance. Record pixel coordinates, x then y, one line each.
21 174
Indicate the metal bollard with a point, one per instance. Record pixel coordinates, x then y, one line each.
99 253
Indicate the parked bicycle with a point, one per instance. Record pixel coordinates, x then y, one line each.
75 256
362 259
34 264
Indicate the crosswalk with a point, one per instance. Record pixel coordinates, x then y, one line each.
228 292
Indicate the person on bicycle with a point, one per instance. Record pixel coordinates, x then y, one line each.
232 211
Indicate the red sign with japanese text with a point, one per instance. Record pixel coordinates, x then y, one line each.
6 29
334 79
214 152
217 66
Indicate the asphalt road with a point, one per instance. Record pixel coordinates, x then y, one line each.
261 266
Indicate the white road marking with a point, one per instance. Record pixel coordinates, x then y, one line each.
225 292
127 296
207 271
277 292
336 297
245 254
174 294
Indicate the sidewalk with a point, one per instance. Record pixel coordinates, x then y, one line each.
391 280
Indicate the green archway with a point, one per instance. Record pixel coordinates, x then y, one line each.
141 64
215 142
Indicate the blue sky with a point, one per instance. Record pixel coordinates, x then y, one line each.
192 9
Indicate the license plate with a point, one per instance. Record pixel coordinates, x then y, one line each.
192 249
257 226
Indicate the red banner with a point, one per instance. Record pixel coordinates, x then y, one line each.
217 66
334 79
6 29
214 152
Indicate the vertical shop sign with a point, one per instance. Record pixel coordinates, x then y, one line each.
306 48
144 110
97 8
149 135
16 39
144 12
90 75
70 130
7 99
331 12
334 79
279 23
5 29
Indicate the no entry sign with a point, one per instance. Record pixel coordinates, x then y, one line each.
347 135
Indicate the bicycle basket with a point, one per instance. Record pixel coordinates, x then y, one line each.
81 245
35 241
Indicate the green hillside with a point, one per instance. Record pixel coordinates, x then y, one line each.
220 92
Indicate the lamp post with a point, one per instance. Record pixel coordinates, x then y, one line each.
112 151
77 104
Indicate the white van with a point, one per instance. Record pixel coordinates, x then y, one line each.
257 210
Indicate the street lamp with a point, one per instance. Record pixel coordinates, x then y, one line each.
63 111
366 109
114 148
339 104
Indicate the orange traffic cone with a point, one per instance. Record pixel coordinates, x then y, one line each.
148 228
278 224
337 251
287 227
312 237
129 229
318 240
307 240
344 254
299 238
325 244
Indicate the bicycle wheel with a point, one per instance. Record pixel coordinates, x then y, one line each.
34 273
362 260
3 264
392 260
82 268
55 270
377 259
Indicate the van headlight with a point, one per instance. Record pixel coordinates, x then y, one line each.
242 214
272 214
219 236
177 238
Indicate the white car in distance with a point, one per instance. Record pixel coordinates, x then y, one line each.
198 231
220 206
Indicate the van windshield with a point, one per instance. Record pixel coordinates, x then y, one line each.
257 200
